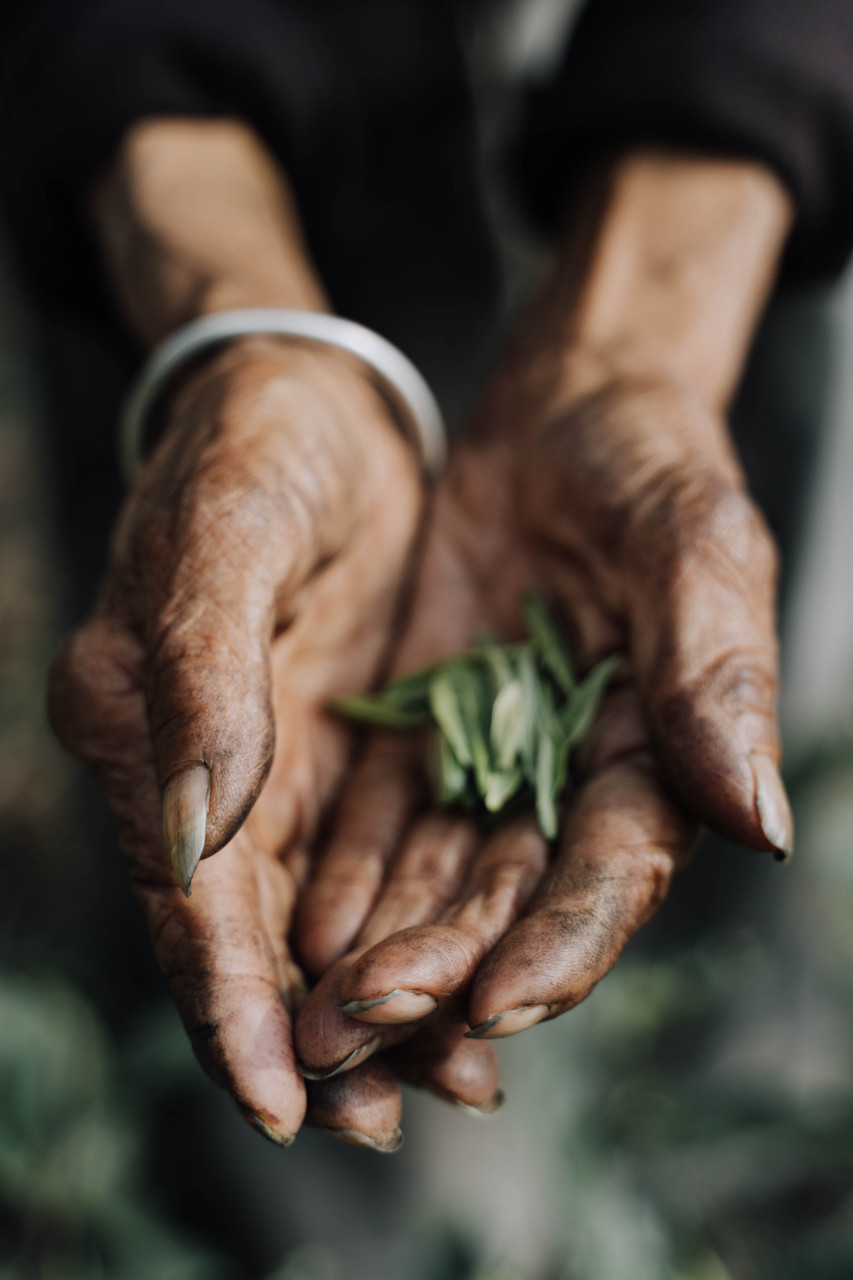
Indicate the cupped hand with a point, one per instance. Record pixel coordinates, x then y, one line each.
618 497
255 574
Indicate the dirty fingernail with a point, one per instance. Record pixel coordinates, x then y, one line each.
326 1073
258 1122
354 1138
398 1006
510 1022
774 812
186 799
485 1108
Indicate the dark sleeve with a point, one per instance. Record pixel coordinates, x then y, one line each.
78 72
767 79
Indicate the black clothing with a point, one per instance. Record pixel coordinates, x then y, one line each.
769 79
368 106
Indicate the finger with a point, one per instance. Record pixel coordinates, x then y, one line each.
222 952
237 507
207 628
463 1072
373 814
98 672
232 984
327 1041
701 578
362 1108
424 878
428 966
623 841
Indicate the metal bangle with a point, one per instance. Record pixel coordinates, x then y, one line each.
400 382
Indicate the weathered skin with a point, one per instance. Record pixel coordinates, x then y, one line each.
219 637
604 478
258 570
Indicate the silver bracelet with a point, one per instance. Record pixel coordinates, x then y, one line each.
400 382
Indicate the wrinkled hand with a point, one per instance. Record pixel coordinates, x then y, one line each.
621 500
255 574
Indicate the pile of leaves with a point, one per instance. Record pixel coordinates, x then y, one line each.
505 719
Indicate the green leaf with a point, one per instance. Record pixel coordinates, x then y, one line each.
473 684
452 777
506 718
546 637
547 771
497 658
501 786
579 712
411 691
445 704
552 759
375 709
531 684
548 719
508 723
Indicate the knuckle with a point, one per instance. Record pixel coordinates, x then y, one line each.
743 684
658 868
209 515
78 685
709 518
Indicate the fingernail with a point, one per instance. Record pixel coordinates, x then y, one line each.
356 1139
510 1022
312 1073
485 1108
186 798
774 812
258 1122
398 1006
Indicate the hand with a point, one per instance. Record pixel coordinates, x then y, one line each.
255 574
608 482
628 510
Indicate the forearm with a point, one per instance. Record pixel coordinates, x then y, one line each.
665 269
194 217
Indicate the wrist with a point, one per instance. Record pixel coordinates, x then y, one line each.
387 370
664 271
261 422
195 217
259 390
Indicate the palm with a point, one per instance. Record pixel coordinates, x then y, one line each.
605 504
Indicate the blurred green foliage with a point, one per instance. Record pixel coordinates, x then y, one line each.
72 1128
667 1153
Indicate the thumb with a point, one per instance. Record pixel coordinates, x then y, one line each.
702 588
214 587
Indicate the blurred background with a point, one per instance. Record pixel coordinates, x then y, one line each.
692 1121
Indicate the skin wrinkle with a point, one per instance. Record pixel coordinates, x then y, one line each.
502 898
652 887
221 544
436 959
351 432
311 750
181 655
174 643
724 533
582 481
734 671
222 531
456 1069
